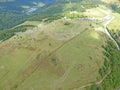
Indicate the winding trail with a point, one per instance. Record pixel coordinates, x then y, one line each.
107 32
97 83
109 19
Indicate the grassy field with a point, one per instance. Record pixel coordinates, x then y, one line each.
95 12
92 12
115 24
34 23
52 57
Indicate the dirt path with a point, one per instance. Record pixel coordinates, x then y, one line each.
110 18
109 35
97 83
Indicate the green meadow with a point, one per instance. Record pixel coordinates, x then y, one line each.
52 57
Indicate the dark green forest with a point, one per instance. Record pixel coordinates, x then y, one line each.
9 20
115 8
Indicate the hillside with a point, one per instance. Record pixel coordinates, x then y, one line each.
42 56
59 45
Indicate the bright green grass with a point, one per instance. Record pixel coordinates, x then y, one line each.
95 12
115 24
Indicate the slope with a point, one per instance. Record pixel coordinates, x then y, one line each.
51 58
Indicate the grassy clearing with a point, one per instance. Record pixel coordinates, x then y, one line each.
34 23
94 12
115 24
91 12
31 23
41 60
114 27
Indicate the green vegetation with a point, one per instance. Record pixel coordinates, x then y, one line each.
114 27
113 55
116 35
115 7
45 17
94 87
6 34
